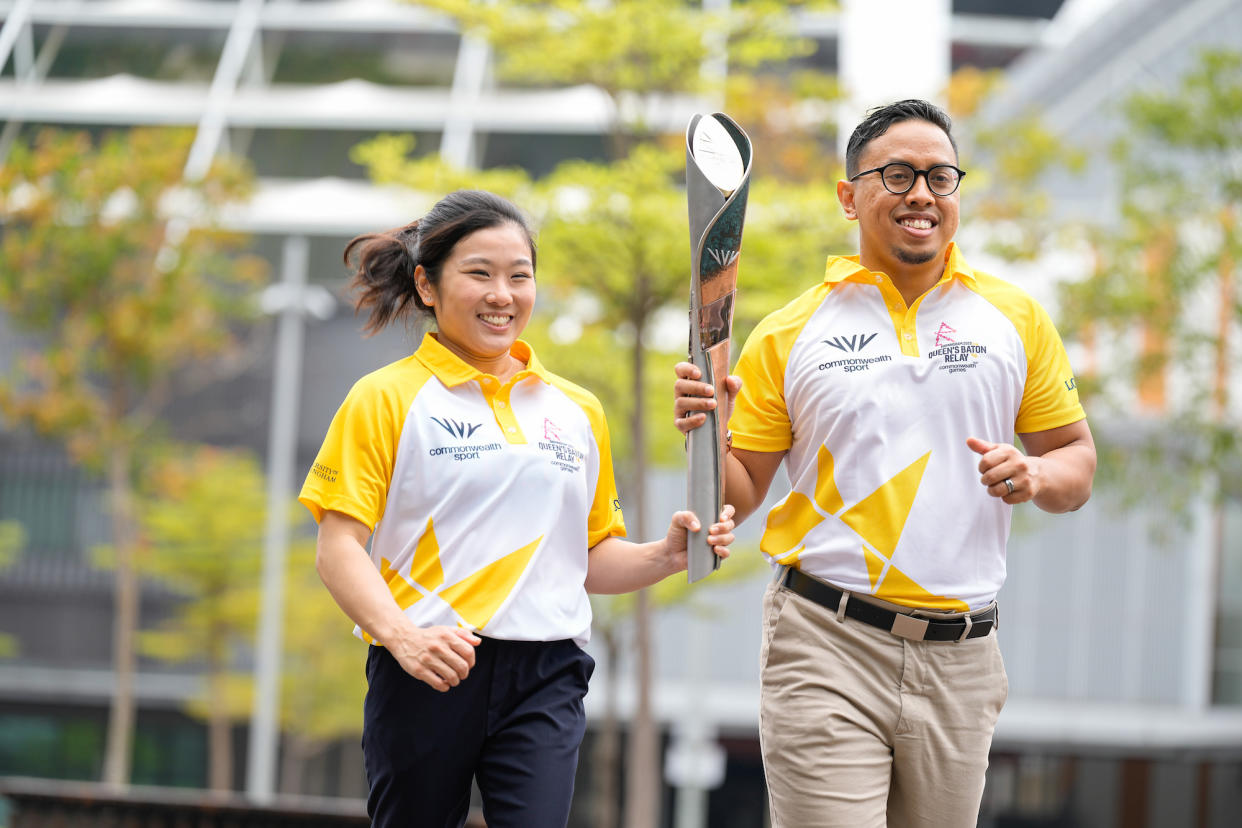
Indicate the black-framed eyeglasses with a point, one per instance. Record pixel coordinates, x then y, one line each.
899 177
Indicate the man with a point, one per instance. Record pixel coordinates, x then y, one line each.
892 390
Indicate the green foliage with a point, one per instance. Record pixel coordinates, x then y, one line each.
322 679
610 229
1158 306
200 513
1007 192
789 119
1174 249
388 160
627 45
118 295
12 539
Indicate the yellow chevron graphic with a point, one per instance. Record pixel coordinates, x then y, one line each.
879 519
881 515
477 597
875 567
791 558
404 593
788 524
900 588
826 493
425 569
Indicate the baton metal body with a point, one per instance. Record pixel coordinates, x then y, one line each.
716 219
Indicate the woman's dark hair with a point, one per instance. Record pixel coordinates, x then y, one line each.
881 118
383 279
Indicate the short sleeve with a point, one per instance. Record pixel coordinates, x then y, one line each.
352 471
606 518
760 419
1050 397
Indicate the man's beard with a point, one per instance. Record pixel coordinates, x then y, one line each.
906 257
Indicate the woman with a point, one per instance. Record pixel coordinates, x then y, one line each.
488 484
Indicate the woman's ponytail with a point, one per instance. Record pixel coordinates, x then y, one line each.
383 280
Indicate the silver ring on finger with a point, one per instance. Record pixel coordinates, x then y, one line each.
1008 485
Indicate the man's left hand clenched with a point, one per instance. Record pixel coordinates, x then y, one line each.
1006 472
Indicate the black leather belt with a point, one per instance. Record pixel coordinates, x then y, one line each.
917 627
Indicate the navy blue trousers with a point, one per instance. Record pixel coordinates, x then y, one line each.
514 724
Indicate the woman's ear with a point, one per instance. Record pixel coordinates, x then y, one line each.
423 285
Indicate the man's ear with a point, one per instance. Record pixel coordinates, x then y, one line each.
845 195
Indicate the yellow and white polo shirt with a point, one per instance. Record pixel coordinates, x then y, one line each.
874 402
484 497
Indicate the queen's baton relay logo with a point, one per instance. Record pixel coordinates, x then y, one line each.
565 455
955 357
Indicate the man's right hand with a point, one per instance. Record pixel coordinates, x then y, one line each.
439 656
693 398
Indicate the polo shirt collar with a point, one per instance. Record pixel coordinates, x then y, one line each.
849 269
452 370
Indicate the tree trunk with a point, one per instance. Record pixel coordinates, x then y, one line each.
293 765
117 753
219 728
642 802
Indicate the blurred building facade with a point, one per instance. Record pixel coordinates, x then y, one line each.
1124 653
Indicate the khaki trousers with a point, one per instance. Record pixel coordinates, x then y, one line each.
863 729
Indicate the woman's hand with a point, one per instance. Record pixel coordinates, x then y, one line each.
719 536
439 656
616 565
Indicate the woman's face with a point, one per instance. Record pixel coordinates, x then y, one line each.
485 296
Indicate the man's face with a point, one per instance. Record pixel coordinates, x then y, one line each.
897 232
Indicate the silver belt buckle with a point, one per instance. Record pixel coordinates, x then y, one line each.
907 626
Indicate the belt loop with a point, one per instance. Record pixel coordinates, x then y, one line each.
845 599
969 624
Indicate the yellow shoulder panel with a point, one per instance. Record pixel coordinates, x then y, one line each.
354 466
760 420
1050 398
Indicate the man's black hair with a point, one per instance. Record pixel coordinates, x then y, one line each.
881 118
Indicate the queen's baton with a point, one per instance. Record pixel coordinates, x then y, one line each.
718 156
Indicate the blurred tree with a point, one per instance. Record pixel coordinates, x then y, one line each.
388 160
790 117
12 538
1163 287
323 678
200 514
630 49
115 269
